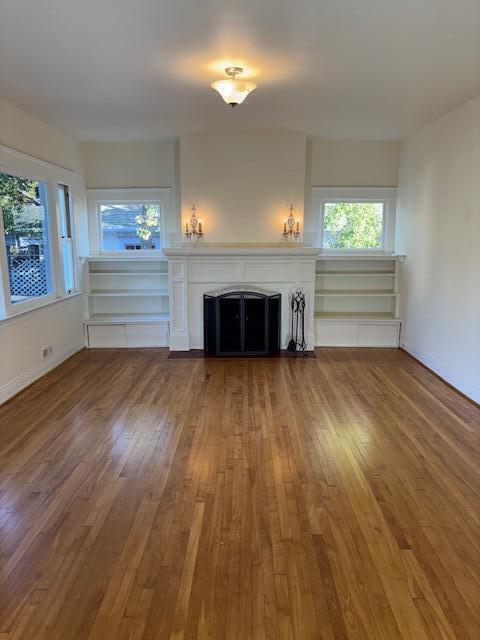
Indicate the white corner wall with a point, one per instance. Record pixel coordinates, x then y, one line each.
353 163
59 324
438 227
124 165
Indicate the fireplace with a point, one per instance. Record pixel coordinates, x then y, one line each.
242 321
197 270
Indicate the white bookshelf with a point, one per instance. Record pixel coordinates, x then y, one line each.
357 301
127 293
128 301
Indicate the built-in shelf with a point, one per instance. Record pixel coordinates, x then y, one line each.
356 292
129 292
127 318
128 273
362 257
128 301
128 256
354 315
356 273
357 300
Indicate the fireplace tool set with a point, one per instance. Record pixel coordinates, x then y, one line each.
297 306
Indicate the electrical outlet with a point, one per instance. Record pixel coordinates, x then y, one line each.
47 351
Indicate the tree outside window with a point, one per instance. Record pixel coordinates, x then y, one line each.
148 224
353 225
19 199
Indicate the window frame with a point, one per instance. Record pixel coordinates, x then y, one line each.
384 195
98 197
17 163
70 220
12 308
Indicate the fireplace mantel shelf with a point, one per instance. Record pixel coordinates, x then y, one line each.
235 251
267 251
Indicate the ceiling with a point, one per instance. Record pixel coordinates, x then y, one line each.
140 69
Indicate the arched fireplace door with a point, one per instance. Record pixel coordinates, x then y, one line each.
240 321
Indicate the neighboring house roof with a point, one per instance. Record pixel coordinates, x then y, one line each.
118 229
121 217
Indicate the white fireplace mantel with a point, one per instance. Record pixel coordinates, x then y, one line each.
241 250
198 269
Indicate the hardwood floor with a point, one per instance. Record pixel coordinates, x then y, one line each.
329 498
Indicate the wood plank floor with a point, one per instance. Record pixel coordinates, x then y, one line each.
329 498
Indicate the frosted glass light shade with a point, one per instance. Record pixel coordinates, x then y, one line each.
233 91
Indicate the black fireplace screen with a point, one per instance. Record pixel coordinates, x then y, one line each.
241 322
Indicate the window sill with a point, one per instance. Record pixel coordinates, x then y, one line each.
40 305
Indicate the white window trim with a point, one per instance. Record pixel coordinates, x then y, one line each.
96 197
22 164
73 240
322 195
7 307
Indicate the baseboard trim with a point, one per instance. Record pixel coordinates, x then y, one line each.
179 342
12 388
439 377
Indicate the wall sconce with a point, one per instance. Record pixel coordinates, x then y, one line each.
291 227
194 231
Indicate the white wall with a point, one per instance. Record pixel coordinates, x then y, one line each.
243 183
438 227
134 165
125 165
352 163
60 324
26 133
23 337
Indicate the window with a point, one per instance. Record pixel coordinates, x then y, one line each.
355 219
130 225
353 225
133 219
65 230
25 220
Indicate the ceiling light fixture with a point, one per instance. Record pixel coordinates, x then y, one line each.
233 91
